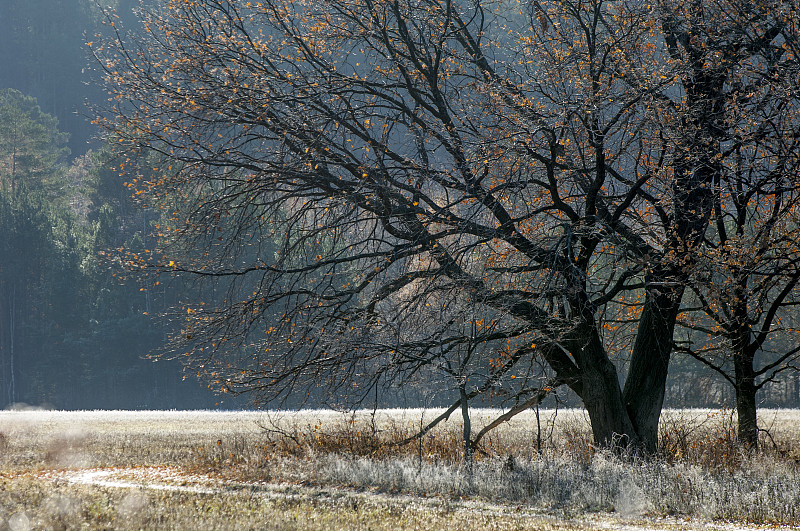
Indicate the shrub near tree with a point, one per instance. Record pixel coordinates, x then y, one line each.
550 168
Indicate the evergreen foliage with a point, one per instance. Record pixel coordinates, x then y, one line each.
72 333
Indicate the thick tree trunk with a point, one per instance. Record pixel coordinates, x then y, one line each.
643 394
600 391
611 424
744 351
746 412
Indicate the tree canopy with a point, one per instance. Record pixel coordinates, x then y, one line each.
512 194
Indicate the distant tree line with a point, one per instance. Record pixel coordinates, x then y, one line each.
72 334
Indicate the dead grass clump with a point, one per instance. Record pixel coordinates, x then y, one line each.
360 438
709 442
574 440
235 457
68 450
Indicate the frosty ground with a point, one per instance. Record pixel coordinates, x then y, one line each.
329 470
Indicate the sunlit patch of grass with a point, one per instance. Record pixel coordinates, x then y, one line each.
32 502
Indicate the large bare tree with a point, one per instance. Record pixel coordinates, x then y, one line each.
470 187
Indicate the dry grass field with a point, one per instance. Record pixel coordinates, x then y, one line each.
328 470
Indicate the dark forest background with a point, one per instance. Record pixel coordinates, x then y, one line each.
76 331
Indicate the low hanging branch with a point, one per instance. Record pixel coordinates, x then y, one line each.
538 395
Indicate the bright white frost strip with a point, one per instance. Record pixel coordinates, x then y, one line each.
102 478
163 479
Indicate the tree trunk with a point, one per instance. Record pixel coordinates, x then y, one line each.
467 426
645 385
744 351
5 381
611 424
601 393
747 432
745 385
12 388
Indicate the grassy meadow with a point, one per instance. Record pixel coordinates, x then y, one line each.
329 470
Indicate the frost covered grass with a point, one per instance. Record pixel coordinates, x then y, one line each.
762 492
327 470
